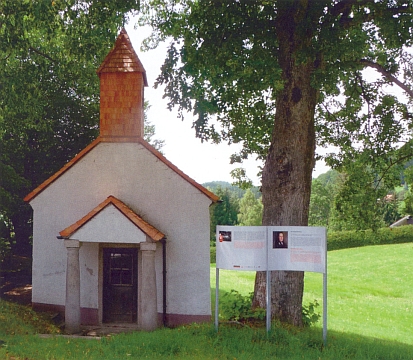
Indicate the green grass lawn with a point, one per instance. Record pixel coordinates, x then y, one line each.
370 290
370 316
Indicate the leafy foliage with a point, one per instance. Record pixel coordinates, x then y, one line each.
219 50
224 212
281 76
337 240
210 77
352 202
237 207
389 208
321 202
235 306
250 210
310 316
49 93
360 203
4 240
407 195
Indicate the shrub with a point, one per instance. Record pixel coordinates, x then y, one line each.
310 317
235 306
349 239
213 254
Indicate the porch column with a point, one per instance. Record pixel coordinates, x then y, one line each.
149 316
72 306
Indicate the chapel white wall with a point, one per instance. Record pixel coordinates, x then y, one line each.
135 176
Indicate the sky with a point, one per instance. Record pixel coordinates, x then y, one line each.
202 161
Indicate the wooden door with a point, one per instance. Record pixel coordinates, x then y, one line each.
120 285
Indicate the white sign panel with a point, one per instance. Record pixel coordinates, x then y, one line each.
297 248
261 248
242 248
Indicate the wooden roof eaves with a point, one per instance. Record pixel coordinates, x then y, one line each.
144 226
147 228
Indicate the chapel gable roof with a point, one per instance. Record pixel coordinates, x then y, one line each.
101 139
148 229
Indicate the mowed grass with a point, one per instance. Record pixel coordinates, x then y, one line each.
369 289
202 342
362 283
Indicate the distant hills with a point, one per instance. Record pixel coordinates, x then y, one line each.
329 177
214 185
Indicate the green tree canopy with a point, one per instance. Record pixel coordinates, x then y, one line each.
224 212
250 210
49 92
360 200
281 76
321 203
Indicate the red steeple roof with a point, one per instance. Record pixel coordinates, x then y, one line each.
122 82
122 58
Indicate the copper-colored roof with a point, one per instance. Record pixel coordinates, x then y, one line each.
101 139
122 58
148 229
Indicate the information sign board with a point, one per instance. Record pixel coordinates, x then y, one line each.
261 248
267 248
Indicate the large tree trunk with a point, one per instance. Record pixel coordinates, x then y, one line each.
286 178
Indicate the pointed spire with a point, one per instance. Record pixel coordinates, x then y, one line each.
122 81
122 58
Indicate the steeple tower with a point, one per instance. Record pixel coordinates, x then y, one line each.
122 82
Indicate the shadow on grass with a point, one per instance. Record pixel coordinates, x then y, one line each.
355 346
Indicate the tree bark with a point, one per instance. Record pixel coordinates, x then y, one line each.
286 178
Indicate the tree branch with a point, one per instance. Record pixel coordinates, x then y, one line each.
383 174
387 75
344 8
404 9
42 54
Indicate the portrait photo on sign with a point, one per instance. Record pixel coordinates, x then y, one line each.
280 239
225 236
